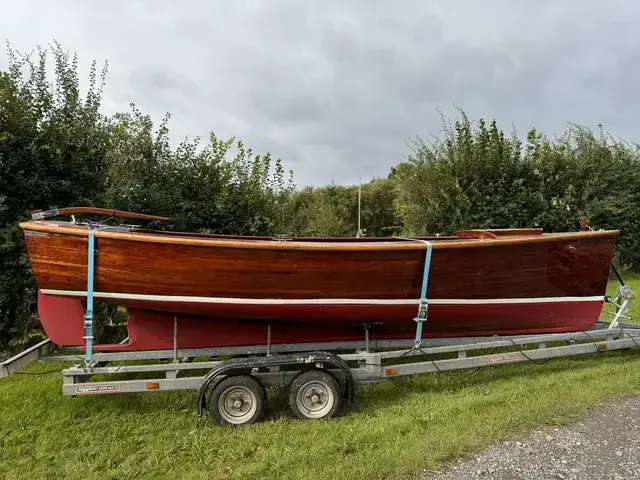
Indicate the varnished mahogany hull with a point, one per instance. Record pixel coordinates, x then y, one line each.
225 292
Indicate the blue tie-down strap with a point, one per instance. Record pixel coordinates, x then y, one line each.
424 304
88 316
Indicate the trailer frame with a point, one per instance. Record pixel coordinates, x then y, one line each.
321 376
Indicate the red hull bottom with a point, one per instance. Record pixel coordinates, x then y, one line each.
62 319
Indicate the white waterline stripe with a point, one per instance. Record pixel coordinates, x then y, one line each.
319 301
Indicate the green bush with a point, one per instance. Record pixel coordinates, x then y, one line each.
53 146
479 178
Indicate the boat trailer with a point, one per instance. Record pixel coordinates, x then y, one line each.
320 376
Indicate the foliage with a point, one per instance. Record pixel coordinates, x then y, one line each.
333 210
472 179
479 178
199 189
52 152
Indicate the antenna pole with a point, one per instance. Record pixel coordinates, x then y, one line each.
359 234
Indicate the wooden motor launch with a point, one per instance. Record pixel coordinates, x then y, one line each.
205 290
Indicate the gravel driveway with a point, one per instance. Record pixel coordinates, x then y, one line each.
604 446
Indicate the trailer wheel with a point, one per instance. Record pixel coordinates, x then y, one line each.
238 400
315 394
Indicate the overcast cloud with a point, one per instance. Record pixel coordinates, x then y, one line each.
335 88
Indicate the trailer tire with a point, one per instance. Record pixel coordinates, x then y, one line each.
315 394
238 400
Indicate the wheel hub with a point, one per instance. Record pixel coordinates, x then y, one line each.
315 399
237 404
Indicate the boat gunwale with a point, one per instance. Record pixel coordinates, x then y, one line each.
276 244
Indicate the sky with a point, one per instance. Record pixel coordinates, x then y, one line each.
336 89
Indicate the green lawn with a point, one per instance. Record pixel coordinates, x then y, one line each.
395 427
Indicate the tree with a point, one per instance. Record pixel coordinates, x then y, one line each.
200 189
479 178
333 210
53 145
327 213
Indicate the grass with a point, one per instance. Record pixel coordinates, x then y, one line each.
394 428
